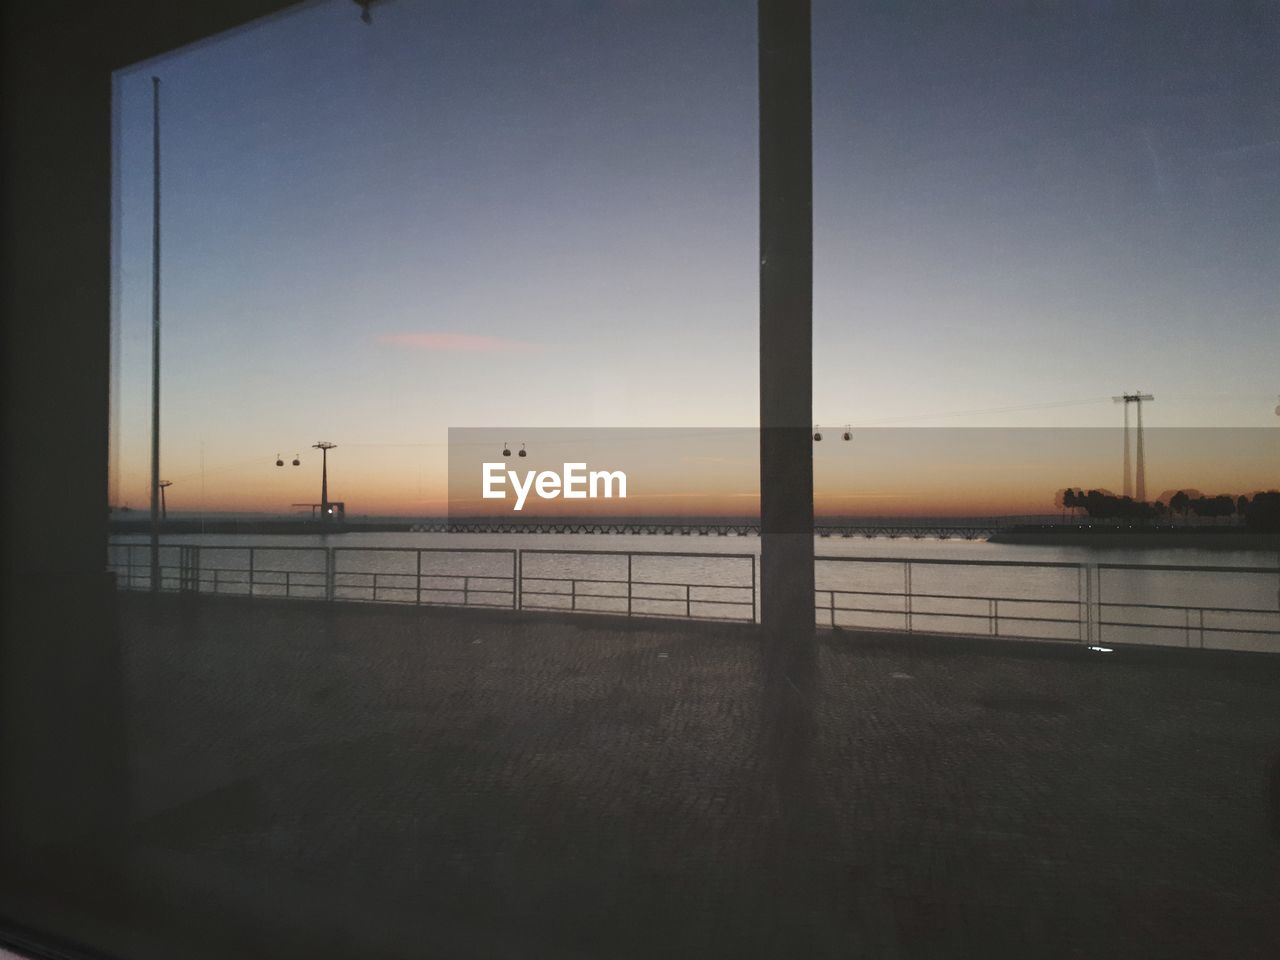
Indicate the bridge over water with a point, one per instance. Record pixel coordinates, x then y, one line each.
966 528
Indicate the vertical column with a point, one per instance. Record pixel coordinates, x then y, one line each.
786 317
155 334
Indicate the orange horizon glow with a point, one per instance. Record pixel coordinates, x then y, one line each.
908 473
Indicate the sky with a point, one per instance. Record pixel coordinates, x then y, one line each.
878 471
545 214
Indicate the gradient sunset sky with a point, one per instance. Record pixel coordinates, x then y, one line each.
545 214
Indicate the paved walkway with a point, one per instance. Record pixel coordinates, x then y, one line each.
375 782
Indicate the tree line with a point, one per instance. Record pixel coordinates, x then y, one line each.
1261 511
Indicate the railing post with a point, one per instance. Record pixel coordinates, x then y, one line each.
995 616
1201 628
418 582
466 589
628 584
573 594
188 574
906 588
688 606
251 571
754 616
519 584
1081 617
1097 577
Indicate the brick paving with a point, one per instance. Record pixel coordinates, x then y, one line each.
376 782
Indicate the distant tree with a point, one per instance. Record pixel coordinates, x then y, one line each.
1101 505
1179 503
1242 505
1067 500
1212 507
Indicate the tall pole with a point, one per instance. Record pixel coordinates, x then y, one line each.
155 334
1126 399
1142 467
1128 465
324 447
786 318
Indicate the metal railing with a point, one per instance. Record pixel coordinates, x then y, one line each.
631 594
421 586
1224 620
499 578
1002 598
358 574
1077 611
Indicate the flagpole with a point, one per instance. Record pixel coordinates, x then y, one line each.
155 336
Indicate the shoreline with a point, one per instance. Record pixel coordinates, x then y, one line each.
1204 538
1142 538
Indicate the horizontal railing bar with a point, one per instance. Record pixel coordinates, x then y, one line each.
897 613
646 613
917 561
681 599
959 635
571 593
944 596
256 570
495 551
1042 600
470 593
224 547
965 616
639 553
411 575
1194 628
635 599
1174 568
527 578
1182 606
463 576
643 583
696 586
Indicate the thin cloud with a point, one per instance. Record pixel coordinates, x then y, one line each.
457 343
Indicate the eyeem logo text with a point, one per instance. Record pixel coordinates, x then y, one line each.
576 483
